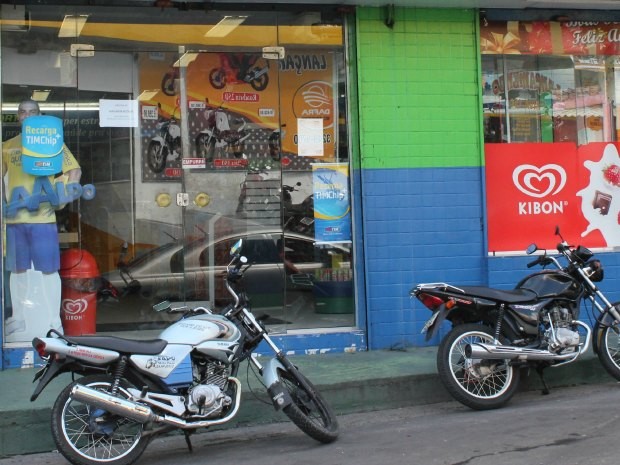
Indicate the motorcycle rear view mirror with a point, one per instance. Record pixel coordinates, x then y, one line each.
531 249
236 247
162 306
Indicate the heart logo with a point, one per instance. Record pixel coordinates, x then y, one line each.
539 182
74 307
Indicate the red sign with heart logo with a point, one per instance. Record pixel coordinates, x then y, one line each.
532 188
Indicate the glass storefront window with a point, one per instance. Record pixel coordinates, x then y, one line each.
550 106
189 134
542 82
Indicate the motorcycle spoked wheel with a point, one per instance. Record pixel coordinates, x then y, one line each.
217 78
168 84
480 384
260 83
86 435
309 410
156 156
609 349
205 147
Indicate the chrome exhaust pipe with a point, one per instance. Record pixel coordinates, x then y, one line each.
144 414
116 405
498 352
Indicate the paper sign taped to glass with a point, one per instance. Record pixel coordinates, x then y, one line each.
42 143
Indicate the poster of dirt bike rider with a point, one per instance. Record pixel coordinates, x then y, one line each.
234 120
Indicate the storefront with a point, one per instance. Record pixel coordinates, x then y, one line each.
192 128
356 153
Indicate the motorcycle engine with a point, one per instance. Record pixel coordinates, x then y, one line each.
558 329
207 400
208 397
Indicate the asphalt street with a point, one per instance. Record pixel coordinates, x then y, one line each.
570 426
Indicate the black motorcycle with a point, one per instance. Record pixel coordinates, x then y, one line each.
297 217
497 332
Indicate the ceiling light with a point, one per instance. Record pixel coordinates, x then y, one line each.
185 60
225 26
147 95
40 95
72 25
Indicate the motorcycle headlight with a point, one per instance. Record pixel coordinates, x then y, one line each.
594 270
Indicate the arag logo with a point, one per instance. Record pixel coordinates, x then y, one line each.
315 100
540 182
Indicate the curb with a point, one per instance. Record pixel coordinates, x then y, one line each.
351 383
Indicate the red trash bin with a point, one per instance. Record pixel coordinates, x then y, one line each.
79 276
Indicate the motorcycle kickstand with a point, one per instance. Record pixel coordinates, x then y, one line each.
545 390
188 441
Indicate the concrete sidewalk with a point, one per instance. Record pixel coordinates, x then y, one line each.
351 382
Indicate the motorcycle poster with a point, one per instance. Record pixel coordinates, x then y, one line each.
234 111
536 187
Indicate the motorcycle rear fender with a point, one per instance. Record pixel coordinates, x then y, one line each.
45 375
280 397
432 329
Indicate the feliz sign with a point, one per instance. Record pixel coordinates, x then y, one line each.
550 38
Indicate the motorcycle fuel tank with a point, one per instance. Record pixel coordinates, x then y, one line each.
551 284
201 328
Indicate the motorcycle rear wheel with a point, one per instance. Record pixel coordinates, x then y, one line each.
477 383
168 84
609 349
217 78
119 441
309 410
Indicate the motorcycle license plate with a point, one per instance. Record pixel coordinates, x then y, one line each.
430 322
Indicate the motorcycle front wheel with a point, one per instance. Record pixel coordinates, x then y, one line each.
260 83
309 410
86 435
156 157
609 349
480 384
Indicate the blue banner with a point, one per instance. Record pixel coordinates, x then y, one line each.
332 208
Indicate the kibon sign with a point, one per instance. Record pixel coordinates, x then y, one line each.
532 188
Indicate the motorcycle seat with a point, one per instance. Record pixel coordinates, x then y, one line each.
119 344
513 296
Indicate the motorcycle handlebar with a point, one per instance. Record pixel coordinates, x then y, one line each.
543 260
534 263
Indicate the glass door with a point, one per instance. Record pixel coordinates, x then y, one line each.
263 149
232 175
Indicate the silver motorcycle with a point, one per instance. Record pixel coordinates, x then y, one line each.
133 390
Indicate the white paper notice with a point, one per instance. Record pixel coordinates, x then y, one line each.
118 113
310 137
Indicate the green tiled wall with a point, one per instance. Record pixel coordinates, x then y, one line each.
418 88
